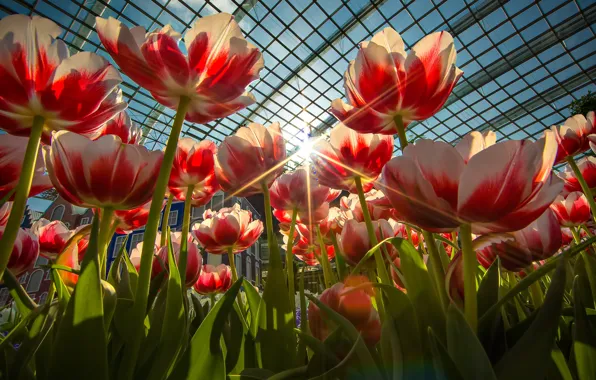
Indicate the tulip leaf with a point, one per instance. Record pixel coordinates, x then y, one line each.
420 288
339 370
488 291
364 260
150 347
253 374
80 346
491 331
109 303
527 357
174 322
465 349
234 337
320 349
560 363
584 343
324 355
203 359
391 351
444 367
254 301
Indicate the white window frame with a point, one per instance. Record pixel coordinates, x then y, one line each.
134 240
197 212
173 215
84 220
118 243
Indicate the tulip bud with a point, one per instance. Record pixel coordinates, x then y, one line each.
214 279
572 210
52 236
24 252
194 258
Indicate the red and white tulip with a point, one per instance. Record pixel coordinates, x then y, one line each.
572 210
214 279
5 213
52 236
349 154
229 228
38 78
384 82
194 260
252 158
572 137
587 166
194 165
24 252
306 246
214 74
378 205
354 242
501 188
101 173
122 126
127 221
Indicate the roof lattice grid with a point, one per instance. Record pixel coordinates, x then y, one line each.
523 61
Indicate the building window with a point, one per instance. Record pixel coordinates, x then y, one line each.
42 298
84 221
197 212
23 278
217 202
135 239
35 281
3 296
118 244
41 261
57 213
256 249
238 262
248 268
48 274
257 272
173 218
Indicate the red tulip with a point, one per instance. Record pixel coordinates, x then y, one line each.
5 213
12 153
254 156
348 155
384 82
517 250
353 304
354 242
566 236
229 228
502 188
123 127
378 205
587 167
24 252
158 264
475 142
101 173
194 258
572 137
82 243
403 233
214 279
52 237
194 165
37 77
69 258
127 221
301 191
219 65
454 278
306 246
572 210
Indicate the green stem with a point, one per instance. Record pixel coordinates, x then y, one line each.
303 318
290 262
381 268
470 265
437 268
327 274
21 193
183 259
17 291
164 220
340 263
212 299
234 275
590 270
143 282
274 254
105 234
401 131
580 178
535 290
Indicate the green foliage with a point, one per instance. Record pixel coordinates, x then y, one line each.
583 105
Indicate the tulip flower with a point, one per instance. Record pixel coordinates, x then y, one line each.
194 258
39 79
401 231
12 153
123 127
454 279
157 264
349 157
354 242
379 206
4 213
475 142
572 210
384 83
301 192
194 167
70 258
104 173
502 188
52 236
587 168
229 229
126 221
353 304
24 252
517 250
214 279
213 76
572 137
305 246
250 160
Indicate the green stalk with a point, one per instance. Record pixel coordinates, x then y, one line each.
290 262
166 216
234 275
274 254
21 193
470 265
437 266
140 305
303 318
591 271
401 131
327 274
17 291
340 263
105 234
535 290
183 259
212 299
587 191
381 269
